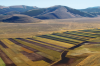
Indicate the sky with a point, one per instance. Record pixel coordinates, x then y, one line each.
77 4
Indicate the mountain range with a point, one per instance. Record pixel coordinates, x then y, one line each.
54 12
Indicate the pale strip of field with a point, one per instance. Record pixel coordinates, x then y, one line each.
2 62
44 44
42 49
67 45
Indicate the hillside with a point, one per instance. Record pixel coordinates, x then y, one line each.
18 8
18 18
91 9
56 12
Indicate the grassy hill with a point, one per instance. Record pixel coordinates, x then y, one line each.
56 12
18 18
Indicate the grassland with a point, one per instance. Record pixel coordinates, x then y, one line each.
23 30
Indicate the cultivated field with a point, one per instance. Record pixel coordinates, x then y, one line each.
55 49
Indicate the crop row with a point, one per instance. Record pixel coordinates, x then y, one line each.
79 34
59 39
93 31
86 34
70 36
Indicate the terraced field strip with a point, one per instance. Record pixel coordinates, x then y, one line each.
60 47
70 36
53 53
17 61
46 45
62 39
90 36
2 62
17 43
62 44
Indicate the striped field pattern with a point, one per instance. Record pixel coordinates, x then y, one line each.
43 50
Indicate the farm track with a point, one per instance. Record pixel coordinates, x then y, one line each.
45 46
